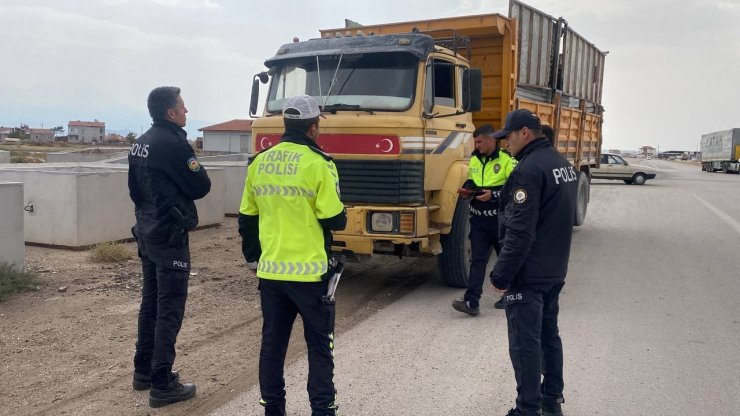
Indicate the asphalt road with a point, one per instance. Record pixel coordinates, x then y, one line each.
649 318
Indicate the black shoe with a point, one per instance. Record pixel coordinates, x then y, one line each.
552 409
176 392
144 382
500 304
516 412
464 306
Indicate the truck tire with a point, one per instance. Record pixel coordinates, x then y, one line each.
581 199
454 262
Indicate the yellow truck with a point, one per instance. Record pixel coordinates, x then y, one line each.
401 101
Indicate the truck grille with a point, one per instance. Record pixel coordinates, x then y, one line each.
381 182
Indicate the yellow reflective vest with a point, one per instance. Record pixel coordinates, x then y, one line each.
290 187
490 171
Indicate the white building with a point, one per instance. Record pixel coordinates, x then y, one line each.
85 131
233 136
41 135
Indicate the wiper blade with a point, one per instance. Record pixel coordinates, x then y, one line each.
333 108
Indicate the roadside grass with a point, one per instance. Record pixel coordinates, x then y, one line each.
23 156
110 253
14 281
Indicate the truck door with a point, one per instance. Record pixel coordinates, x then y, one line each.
447 136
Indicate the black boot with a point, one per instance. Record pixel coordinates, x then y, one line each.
173 393
551 409
500 304
144 382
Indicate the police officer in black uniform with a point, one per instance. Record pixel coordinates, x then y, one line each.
164 179
538 205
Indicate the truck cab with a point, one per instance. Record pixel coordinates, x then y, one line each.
397 118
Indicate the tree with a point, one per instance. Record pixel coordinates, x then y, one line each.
58 130
130 138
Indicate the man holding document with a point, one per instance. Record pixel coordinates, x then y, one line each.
289 207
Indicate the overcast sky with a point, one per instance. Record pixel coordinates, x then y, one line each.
672 73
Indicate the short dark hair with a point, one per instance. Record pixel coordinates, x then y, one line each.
301 125
549 133
160 100
485 130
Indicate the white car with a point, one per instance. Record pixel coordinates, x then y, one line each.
614 167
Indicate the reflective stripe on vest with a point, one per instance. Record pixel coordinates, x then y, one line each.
292 268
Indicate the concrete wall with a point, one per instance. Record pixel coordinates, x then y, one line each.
84 156
235 174
77 205
4 156
12 248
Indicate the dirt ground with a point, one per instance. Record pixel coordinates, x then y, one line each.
67 348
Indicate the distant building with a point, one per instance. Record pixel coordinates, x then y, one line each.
40 135
5 133
233 136
647 151
85 131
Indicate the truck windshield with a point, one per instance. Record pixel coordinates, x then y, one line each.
348 82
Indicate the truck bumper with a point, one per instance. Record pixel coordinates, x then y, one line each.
387 230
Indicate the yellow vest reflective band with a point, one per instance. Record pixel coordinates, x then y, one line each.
488 173
291 187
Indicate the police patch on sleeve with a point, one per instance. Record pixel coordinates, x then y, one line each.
520 195
193 164
496 168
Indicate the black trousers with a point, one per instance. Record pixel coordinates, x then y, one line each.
535 347
281 302
164 291
483 238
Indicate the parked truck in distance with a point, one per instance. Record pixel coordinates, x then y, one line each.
720 151
401 101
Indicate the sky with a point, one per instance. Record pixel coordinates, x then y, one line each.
671 75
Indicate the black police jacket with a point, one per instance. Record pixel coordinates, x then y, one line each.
164 173
538 204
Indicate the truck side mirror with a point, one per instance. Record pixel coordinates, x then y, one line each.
263 78
472 90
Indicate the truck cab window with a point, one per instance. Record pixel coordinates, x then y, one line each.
441 83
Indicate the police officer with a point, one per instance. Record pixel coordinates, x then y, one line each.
538 206
289 208
164 179
489 167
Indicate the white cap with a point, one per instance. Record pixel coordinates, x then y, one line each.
305 105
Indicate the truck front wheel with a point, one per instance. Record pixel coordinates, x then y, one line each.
454 262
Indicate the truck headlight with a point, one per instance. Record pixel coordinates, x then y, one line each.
403 222
381 222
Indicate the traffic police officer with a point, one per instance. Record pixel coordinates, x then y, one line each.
487 172
289 207
164 179
538 206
